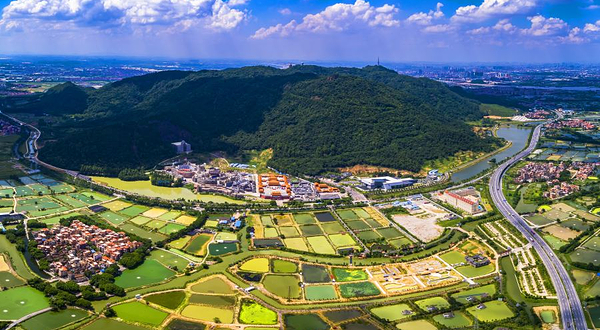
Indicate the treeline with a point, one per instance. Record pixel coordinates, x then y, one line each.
126 174
163 179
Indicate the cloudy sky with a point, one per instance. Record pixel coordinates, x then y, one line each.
344 30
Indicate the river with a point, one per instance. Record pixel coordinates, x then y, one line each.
517 135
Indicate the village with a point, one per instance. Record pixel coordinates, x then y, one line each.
552 174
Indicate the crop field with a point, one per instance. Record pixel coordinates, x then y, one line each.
171 228
70 201
315 274
54 320
342 240
595 315
141 232
212 300
575 224
585 256
208 313
347 274
140 313
8 280
554 242
358 289
285 286
154 212
18 302
214 285
252 312
170 215
104 323
197 245
582 277
218 249
168 259
113 218
320 244
169 299
134 210
391 312
416 325
185 220
459 320
304 218
155 224
180 243
150 272
283 266
140 220
493 311
295 243
256 265
470 271
341 315
304 321
476 293
320 292
117 205
438 302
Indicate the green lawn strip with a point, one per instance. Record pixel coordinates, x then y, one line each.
252 312
54 320
140 313
56 219
392 312
150 272
70 201
153 236
169 299
155 224
180 243
171 215
18 302
438 302
140 220
453 257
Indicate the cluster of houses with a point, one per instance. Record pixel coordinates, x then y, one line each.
467 200
537 114
7 128
583 170
274 186
79 248
533 172
559 189
212 179
571 123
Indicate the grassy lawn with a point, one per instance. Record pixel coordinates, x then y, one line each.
252 312
320 292
347 274
438 302
169 299
461 297
150 272
470 271
104 324
493 311
285 286
16 259
18 302
208 313
140 313
171 228
213 285
320 245
391 312
416 325
358 289
459 320
453 257
54 320
198 245
340 240
284 266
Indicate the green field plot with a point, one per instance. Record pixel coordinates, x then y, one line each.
283 220
18 302
23 191
548 316
324 217
400 242
476 293
391 312
208 313
304 218
63 188
283 266
169 299
42 213
134 210
340 240
36 204
252 312
358 225
556 214
594 290
198 244
389 232
213 285
266 220
171 228
315 274
554 242
320 245
438 302
154 212
311 230
373 223
117 205
155 224
256 265
333 228
575 224
54 320
150 272
169 259
493 311
416 325
585 256
40 189
595 315
16 258
288 232
70 201
368 236
219 249
304 321
320 292
453 257
343 315
582 277
296 244
358 289
84 198
497 110
140 220
348 274
470 271
179 324
180 243
143 233
285 286
540 220
171 215
8 280
271 232
347 215
212 300
185 220
459 320
104 324
96 196
362 213
112 217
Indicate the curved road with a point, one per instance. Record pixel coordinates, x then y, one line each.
570 306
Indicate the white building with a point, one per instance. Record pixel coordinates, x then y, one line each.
387 182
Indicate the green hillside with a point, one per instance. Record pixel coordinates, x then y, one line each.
315 119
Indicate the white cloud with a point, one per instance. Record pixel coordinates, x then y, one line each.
422 18
541 26
439 28
504 25
592 27
492 8
215 14
337 17
285 11
592 7
574 37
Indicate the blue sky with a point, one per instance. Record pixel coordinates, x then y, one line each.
311 30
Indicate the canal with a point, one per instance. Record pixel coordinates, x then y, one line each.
516 134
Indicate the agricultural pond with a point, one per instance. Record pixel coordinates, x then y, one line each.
516 134
145 188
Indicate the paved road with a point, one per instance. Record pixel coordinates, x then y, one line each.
570 307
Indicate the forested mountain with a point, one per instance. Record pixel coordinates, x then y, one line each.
314 118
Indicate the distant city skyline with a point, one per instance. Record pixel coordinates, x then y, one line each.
526 31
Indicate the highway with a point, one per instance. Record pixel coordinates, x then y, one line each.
571 310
